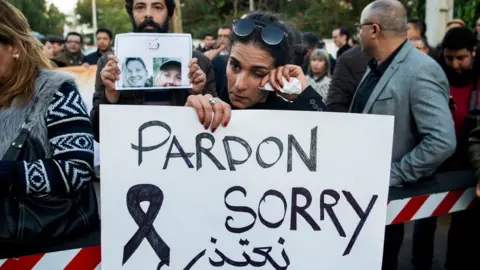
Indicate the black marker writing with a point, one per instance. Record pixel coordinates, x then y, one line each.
301 209
279 195
231 161
186 156
324 206
310 162
202 150
278 142
262 251
140 148
243 209
326 209
308 156
363 215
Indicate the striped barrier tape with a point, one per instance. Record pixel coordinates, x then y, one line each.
432 205
398 211
73 259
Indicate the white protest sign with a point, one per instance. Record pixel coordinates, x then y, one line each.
272 190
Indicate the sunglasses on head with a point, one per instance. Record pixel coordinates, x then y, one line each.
271 34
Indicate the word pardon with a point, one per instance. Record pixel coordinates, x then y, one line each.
309 160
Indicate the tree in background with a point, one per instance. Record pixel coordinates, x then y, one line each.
47 21
111 14
55 22
318 16
468 10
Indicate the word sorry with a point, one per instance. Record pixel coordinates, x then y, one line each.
296 209
310 161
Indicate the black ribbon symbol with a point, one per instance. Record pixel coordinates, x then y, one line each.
153 195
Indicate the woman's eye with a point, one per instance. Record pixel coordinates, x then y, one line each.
234 66
259 75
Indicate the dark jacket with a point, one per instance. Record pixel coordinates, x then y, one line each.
474 150
309 100
177 98
343 50
349 70
92 59
66 59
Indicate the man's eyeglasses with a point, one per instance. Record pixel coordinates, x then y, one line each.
359 26
74 42
271 34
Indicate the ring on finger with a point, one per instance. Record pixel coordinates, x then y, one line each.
213 101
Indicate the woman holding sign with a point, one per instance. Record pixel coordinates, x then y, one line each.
259 73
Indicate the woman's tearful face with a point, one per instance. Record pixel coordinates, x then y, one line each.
247 66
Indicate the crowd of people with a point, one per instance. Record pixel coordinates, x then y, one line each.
387 67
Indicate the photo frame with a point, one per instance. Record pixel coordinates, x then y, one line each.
152 61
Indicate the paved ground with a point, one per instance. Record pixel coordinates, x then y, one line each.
440 246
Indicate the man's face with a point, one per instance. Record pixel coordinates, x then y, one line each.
170 75
48 50
208 41
420 45
73 44
412 31
150 16
224 36
57 48
338 39
103 41
459 60
136 74
365 34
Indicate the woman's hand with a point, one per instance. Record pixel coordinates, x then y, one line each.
197 77
110 74
205 105
289 71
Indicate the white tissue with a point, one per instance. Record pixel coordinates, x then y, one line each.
293 87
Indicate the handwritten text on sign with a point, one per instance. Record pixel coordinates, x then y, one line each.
273 190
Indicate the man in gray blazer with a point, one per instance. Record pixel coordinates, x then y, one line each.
408 84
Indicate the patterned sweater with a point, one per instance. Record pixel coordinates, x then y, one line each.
70 136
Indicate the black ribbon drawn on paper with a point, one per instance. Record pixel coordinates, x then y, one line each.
154 195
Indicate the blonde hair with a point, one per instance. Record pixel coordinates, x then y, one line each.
322 55
15 32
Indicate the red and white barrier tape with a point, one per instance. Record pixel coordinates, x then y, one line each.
401 211
74 259
398 211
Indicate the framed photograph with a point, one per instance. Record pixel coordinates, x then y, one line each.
150 61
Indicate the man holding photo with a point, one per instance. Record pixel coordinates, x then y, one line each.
148 16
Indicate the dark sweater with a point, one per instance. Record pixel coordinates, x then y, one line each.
308 100
70 136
